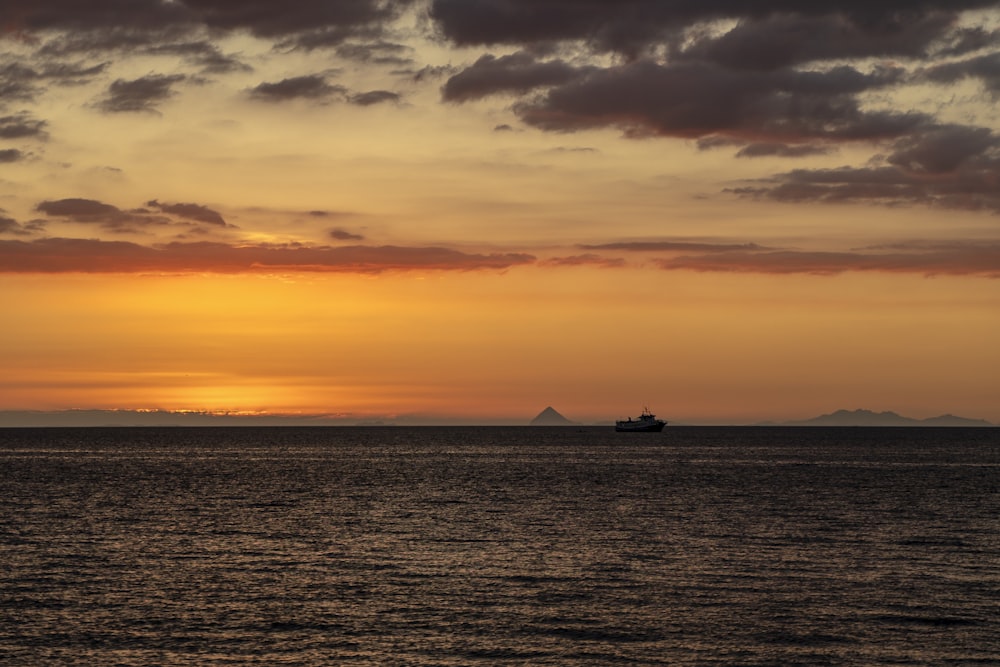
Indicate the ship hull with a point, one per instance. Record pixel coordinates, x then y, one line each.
639 427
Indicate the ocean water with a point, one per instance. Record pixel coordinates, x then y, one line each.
499 546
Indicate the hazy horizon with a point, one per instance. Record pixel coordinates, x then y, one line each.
31 418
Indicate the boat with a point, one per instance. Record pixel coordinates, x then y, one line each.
644 423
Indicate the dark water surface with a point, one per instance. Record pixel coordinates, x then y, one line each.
499 546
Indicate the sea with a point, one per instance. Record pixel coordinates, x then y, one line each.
435 546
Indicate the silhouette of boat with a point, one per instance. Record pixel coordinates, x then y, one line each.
644 423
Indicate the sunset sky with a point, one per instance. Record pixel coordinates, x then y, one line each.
468 210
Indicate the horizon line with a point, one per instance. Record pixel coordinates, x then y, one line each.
132 417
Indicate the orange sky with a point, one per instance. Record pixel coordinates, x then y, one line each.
431 214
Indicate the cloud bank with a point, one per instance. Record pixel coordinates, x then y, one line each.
73 255
774 79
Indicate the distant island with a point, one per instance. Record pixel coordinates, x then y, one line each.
549 417
887 418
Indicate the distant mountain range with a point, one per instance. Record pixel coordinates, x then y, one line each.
869 418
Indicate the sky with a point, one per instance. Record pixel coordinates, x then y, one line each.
438 211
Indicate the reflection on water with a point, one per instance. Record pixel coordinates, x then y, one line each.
451 546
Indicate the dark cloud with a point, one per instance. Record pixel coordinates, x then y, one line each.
515 73
11 155
943 149
329 37
263 18
62 255
344 235
71 73
80 210
784 40
93 212
11 226
714 141
380 53
17 83
194 212
965 40
111 40
957 259
428 72
699 99
622 26
374 97
108 216
266 18
632 26
783 150
53 15
311 87
23 83
205 55
949 166
142 94
986 68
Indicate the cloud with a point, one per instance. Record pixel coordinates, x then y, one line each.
380 53
944 148
955 259
516 73
776 78
64 255
622 26
202 54
195 212
142 94
93 212
771 149
48 15
108 216
310 87
316 87
694 100
17 83
11 155
986 68
263 18
783 40
949 166
588 259
11 226
344 235
374 97
674 246
266 18
80 210
632 27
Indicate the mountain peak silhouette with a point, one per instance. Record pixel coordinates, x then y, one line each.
549 417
